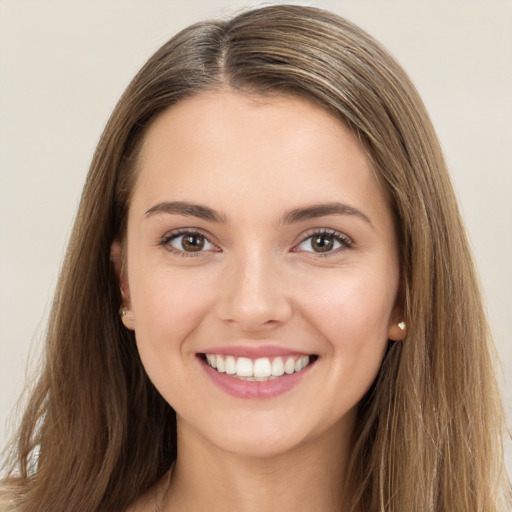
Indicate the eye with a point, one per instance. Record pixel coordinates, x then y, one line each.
187 242
324 242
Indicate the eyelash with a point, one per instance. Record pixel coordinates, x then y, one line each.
344 241
168 238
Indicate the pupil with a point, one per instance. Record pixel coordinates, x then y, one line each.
322 243
193 242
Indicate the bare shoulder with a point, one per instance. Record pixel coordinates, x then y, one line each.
151 500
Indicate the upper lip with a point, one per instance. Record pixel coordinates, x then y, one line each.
255 351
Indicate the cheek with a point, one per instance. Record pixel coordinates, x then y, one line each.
168 310
352 316
168 306
353 325
353 305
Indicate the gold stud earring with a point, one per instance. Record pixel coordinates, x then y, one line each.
401 326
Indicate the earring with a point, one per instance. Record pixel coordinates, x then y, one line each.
401 326
127 317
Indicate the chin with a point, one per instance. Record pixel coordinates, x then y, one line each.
260 445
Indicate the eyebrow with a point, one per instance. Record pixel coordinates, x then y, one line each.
322 210
290 217
187 209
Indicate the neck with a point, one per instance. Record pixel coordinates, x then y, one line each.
309 477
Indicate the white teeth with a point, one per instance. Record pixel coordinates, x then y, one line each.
261 369
289 366
244 367
277 367
230 365
220 364
301 363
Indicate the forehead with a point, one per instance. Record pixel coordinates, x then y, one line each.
234 147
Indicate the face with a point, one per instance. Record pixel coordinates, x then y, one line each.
261 270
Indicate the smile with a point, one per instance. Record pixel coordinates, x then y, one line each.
261 369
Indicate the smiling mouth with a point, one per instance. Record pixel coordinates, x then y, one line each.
259 370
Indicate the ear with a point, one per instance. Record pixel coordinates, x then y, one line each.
116 257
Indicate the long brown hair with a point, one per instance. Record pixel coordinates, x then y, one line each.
96 433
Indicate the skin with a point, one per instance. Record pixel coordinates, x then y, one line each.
258 281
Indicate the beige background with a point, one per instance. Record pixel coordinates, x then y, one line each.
63 64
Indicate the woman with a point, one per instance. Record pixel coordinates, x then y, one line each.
268 300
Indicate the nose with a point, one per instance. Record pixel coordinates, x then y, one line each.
253 295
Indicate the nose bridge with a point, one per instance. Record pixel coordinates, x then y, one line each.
254 295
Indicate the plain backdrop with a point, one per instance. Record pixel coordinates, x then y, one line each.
63 65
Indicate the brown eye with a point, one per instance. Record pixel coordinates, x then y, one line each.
324 242
190 242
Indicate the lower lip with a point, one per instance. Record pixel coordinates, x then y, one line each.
253 389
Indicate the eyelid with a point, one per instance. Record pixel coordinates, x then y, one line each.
345 240
176 233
